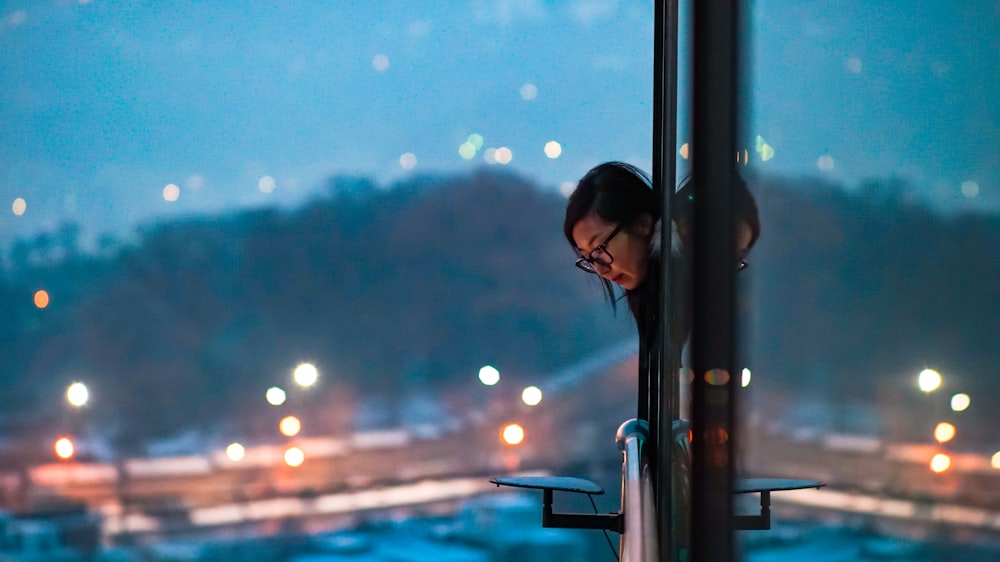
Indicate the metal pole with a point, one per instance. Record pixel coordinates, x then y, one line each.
713 157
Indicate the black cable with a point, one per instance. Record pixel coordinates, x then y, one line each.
605 531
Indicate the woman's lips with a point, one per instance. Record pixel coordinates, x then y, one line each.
618 279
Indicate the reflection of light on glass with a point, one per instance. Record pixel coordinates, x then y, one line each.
531 395
294 457
194 182
553 149
467 150
171 192
41 298
567 188
235 452
489 375
504 155
290 426
944 432
266 184
275 396
929 380
77 394
512 434
745 382
305 374
970 189
995 461
529 92
684 151
64 448
940 463
408 160
19 206
476 140
825 163
490 155
854 65
766 152
960 402
380 63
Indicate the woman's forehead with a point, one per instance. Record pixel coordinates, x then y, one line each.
590 231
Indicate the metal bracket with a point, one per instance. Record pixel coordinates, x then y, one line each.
761 522
553 520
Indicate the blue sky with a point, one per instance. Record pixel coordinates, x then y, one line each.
103 104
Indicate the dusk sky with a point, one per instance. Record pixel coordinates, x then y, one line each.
113 113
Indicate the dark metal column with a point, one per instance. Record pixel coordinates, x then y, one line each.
713 158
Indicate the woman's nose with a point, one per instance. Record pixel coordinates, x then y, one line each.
603 270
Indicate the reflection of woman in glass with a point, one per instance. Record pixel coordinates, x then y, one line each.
613 220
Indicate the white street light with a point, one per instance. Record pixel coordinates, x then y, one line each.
306 375
77 394
929 380
489 375
531 395
960 402
275 396
235 452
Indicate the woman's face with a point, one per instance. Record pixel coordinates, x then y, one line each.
629 248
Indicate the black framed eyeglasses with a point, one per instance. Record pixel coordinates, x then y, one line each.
741 260
598 255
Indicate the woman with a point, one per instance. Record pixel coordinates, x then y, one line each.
613 220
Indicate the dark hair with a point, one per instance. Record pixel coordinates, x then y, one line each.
616 192
744 205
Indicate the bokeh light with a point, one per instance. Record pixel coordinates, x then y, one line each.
944 432
490 155
305 374
489 375
266 184
512 434
960 402
41 298
745 381
380 63
235 452
684 151
408 160
531 395
929 380
19 206
553 149
504 155
64 448
77 394
290 426
854 65
171 192
825 163
476 140
995 461
940 463
275 396
970 189
567 188
528 91
467 150
294 457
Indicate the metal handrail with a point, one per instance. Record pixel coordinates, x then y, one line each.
638 539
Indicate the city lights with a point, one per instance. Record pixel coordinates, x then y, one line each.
489 375
960 402
294 457
940 463
306 375
290 426
408 160
531 395
275 396
19 206
929 380
944 432
64 448
266 184
171 192
77 394
41 298
235 452
553 149
512 434
745 381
